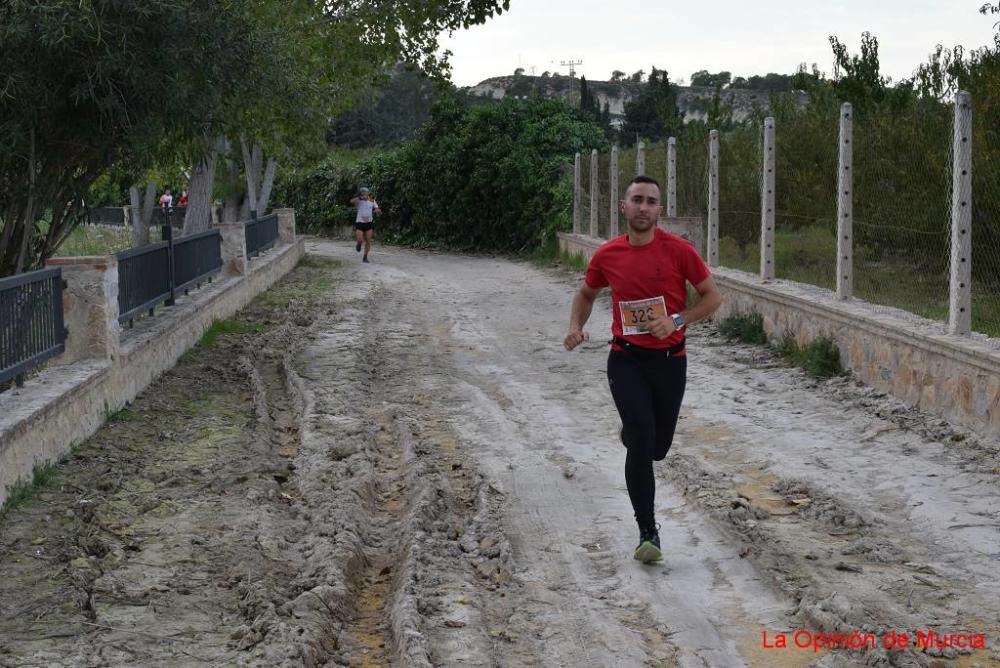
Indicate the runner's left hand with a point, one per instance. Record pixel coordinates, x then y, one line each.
661 327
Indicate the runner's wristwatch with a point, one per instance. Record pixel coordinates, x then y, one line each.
678 320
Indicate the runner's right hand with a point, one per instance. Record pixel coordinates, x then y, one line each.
575 338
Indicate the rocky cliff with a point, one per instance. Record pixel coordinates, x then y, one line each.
693 101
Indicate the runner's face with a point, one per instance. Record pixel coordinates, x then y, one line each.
642 206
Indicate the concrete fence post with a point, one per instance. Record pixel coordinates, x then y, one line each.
577 196
672 177
767 203
286 225
90 307
845 205
712 243
960 301
640 159
234 248
615 197
594 194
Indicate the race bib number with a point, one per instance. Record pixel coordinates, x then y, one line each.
637 314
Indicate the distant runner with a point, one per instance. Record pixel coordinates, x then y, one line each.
647 270
364 220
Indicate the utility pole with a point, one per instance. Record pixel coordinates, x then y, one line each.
572 65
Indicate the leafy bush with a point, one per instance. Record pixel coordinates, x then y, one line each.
493 178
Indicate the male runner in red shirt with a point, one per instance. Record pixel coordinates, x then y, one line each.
648 271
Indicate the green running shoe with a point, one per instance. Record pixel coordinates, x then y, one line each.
648 551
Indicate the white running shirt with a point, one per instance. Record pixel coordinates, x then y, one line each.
365 209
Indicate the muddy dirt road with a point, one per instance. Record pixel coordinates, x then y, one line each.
398 464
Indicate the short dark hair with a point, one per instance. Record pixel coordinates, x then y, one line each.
642 178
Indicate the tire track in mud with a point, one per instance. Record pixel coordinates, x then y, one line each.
417 542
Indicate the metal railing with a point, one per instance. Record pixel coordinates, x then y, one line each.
31 322
154 274
261 234
196 259
143 280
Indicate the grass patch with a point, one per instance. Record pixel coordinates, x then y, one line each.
574 261
744 327
87 240
819 358
549 254
22 490
226 328
310 281
120 415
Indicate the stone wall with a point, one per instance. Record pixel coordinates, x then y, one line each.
955 377
68 401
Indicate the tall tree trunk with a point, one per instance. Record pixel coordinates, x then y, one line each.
252 162
199 211
10 221
265 188
231 203
28 230
142 214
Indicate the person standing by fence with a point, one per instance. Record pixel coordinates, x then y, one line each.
364 220
647 270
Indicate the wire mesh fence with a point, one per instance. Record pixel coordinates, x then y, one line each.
692 174
986 217
584 197
902 209
627 167
740 151
805 225
901 195
604 198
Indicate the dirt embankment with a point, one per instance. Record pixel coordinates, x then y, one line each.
397 464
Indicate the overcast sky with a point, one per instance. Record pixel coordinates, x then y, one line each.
744 38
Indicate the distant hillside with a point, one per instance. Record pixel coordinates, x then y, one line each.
693 101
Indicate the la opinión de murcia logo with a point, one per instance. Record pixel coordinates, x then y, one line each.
858 640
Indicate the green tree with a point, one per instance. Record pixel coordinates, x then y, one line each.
589 105
82 82
709 80
88 85
487 177
858 76
390 114
653 115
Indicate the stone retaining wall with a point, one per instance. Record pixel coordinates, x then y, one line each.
66 403
955 377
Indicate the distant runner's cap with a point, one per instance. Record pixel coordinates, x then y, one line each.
362 189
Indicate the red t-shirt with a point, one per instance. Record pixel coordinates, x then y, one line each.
640 275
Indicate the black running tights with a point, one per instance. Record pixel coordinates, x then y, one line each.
648 389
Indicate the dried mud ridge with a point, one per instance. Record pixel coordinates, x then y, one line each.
231 517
